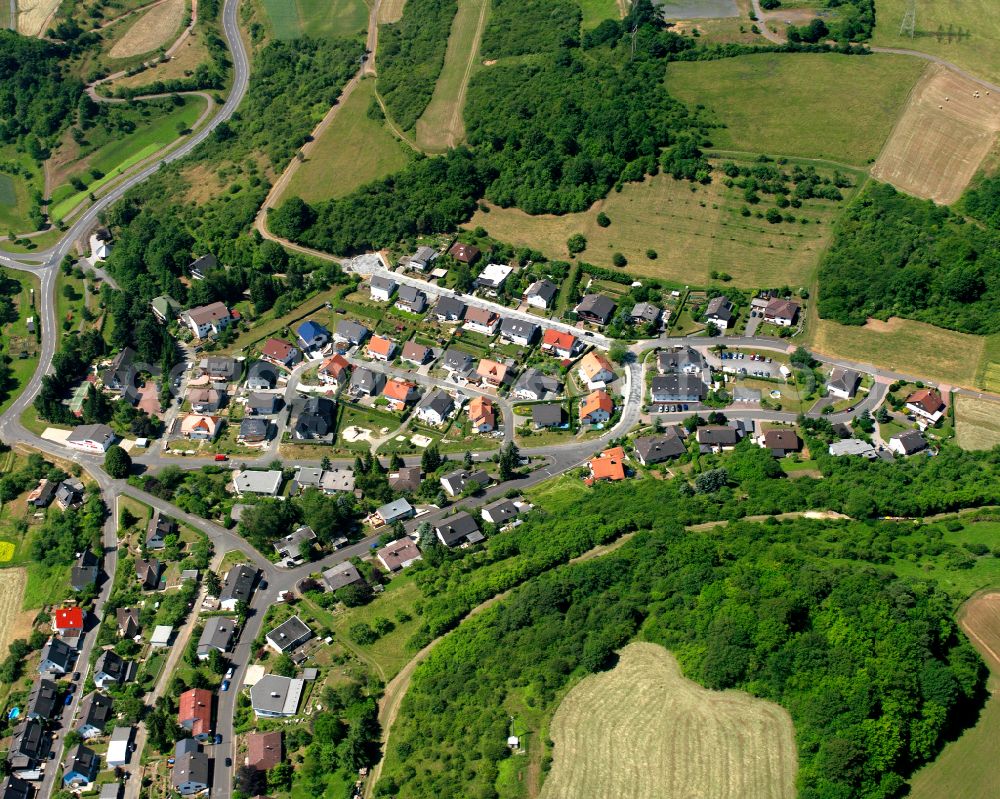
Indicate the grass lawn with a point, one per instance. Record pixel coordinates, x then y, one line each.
829 106
596 11
692 230
902 345
292 19
139 510
988 374
978 422
15 191
69 309
14 337
46 585
232 558
966 32
353 151
267 325
441 125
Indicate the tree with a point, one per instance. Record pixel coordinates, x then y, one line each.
618 352
425 536
509 460
619 260
430 461
576 243
213 585
396 462
279 778
250 781
284 666
467 459
711 481
127 518
117 462
802 358
603 219
216 662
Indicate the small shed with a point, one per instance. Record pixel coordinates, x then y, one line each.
161 636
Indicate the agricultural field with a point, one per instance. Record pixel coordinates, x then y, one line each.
441 125
182 64
12 583
390 11
698 9
966 766
966 32
352 151
158 27
988 376
829 106
692 229
292 19
905 346
643 730
977 422
34 15
14 337
947 129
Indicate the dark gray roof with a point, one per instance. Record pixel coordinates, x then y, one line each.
407 478
238 584
313 417
645 312
460 478
596 305
386 283
59 652
262 372
678 385
204 263
543 288
290 632
655 449
911 441
160 526
366 380
501 510
253 428
537 383
220 365
717 434
341 575
16 788
438 401
261 402
95 710
110 664
190 767
30 740
218 634
457 360
449 308
83 761
846 380
679 359
519 328
720 307
43 700
456 528
351 331
411 294
547 415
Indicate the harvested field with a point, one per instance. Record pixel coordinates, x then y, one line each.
182 64
698 9
988 376
947 129
33 15
693 229
905 346
844 106
643 730
157 28
390 11
12 583
977 422
441 126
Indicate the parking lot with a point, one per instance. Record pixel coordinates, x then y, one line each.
748 364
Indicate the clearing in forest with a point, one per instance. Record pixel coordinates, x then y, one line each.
967 767
642 730
154 29
977 422
292 19
692 229
827 105
354 150
33 15
441 125
947 129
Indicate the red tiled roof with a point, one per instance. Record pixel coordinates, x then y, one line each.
263 750
556 339
196 706
596 400
334 366
69 619
609 465
276 349
926 398
399 390
380 345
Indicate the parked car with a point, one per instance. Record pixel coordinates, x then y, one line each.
218 738
76 675
225 685
68 699
222 457
229 762
229 673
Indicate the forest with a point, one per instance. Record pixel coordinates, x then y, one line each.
895 255
519 27
410 57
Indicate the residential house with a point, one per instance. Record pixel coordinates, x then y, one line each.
398 554
68 622
680 360
12 787
458 481
160 526
458 364
926 404
120 376
465 253
41 496
422 258
645 313
336 480
291 548
148 572
366 383
165 308
407 478
562 345
280 353
493 277
207 320
518 331
92 438
289 635
237 587
202 266
843 383
69 495
481 414
191 772
312 335
263 403
780 442
194 712
128 622
449 309
400 393
411 299
263 750
548 415
206 400
118 750
853 446
100 245
596 309
29 748
381 348
909 442
457 529
415 353
395 511
435 407
85 571
81 767
650 450
482 320
110 669
609 466
96 710
262 376
313 418
274 696
220 368
334 371
382 288
264 484
535 385
596 407
595 370
350 332
341 576
677 388
720 312
58 657
782 313
717 438
499 512
493 373
200 427
217 636
44 702
541 293
253 431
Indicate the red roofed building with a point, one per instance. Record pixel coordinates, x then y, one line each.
279 352
564 345
466 253
609 465
481 414
381 348
68 622
263 750
195 712
334 370
596 407
399 393
926 404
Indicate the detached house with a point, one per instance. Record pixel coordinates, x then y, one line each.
596 309
206 400
148 573
926 404
645 313
120 376
110 669
562 345
411 299
780 442
435 407
449 309
197 427
262 376
720 312
82 765
518 331
191 772
195 712
541 293
68 622
482 320
350 332
422 258
165 308
595 370
382 288
58 657
493 373
535 385
415 353
458 529
207 320
465 253
288 635
263 404
843 383
782 313
717 438
366 383
608 466
238 586
456 482
334 371
677 388
220 367
493 277
312 418
596 407
253 431
399 393
909 442
650 450
92 438
380 348
280 353
94 714
398 554
312 335
685 360
481 414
